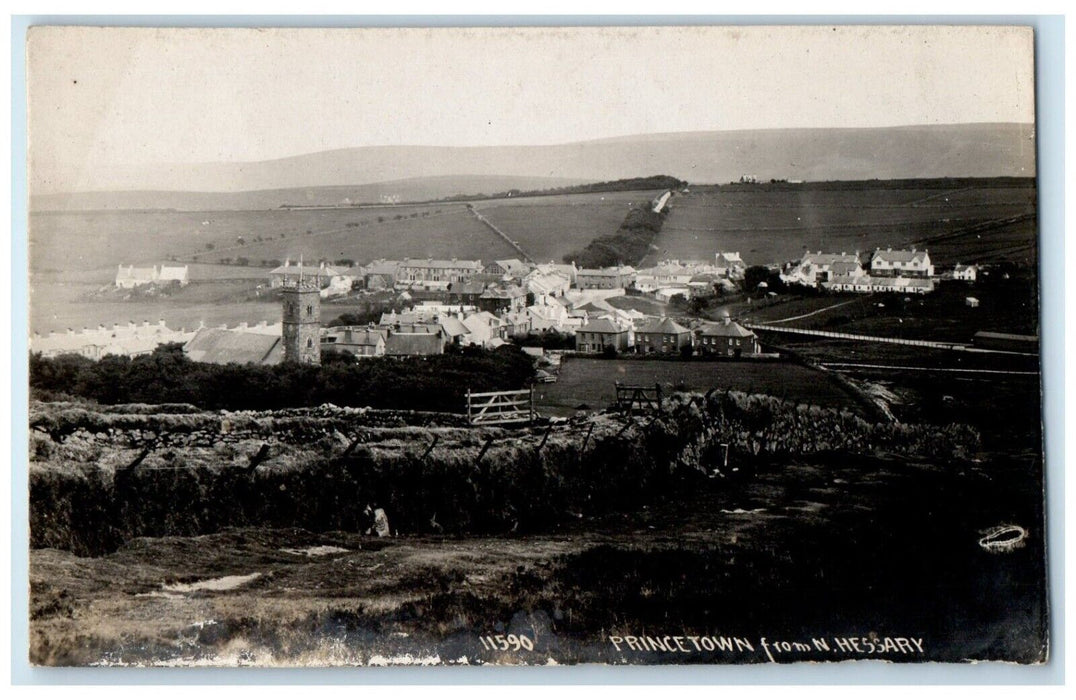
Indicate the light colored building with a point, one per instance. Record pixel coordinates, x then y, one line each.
484 328
669 273
814 268
730 265
903 263
380 274
619 277
865 283
551 282
413 272
666 294
569 270
288 275
516 323
550 313
965 273
498 298
131 276
511 267
128 340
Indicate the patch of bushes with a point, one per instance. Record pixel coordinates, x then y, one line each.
629 245
433 383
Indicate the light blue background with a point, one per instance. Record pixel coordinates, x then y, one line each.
1050 99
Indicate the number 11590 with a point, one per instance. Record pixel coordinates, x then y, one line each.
502 642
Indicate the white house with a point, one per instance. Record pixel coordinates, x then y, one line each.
131 276
965 273
906 263
540 282
730 265
821 267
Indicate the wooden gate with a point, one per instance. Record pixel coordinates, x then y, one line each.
500 407
643 399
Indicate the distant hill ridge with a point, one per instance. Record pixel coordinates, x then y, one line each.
929 151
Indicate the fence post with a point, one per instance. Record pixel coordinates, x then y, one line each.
469 407
586 439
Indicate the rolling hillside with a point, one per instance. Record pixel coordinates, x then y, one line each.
408 190
969 150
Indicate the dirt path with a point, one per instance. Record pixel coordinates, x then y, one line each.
816 311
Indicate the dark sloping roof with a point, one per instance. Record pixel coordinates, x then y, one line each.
663 326
844 267
601 325
728 330
469 287
828 258
359 336
220 346
414 344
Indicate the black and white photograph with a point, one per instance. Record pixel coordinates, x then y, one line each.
534 346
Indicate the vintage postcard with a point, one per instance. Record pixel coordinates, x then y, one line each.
543 346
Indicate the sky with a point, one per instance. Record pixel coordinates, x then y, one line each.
104 98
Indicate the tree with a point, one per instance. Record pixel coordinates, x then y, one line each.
209 246
755 275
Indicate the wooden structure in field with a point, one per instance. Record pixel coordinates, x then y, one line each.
638 399
500 407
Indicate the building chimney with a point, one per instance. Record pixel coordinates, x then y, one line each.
160 323
70 331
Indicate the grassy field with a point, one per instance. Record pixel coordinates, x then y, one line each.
550 227
87 240
1005 306
769 225
591 382
765 225
546 227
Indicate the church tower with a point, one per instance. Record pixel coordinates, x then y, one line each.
302 319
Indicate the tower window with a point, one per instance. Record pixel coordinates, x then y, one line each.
309 310
309 343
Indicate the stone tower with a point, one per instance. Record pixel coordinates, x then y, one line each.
302 320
